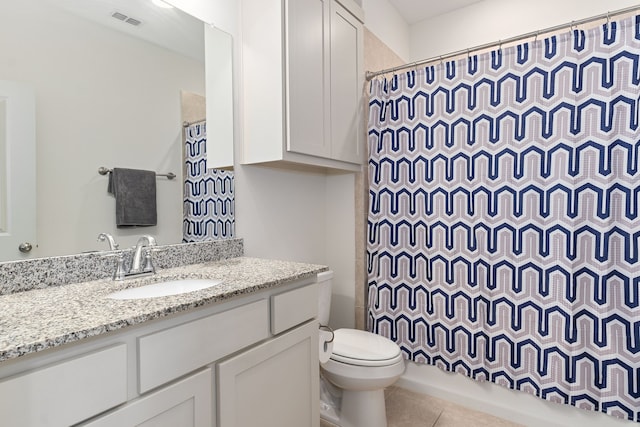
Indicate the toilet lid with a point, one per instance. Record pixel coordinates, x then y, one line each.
364 348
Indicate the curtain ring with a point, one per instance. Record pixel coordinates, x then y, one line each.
608 18
536 38
468 54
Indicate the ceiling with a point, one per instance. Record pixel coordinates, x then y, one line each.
418 10
169 28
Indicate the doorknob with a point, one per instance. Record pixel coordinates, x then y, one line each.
25 247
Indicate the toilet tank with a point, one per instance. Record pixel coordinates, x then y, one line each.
324 296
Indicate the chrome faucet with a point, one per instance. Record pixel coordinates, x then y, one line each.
109 238
141 263
136 262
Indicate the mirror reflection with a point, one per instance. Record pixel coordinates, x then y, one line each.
110 78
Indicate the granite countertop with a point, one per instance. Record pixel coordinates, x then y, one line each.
39 319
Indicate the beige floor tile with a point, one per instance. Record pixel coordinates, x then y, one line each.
456 416
407 409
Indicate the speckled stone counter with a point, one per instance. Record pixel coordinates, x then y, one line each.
39 319
39 273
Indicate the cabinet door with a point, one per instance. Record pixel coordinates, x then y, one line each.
347 127
274 384
307 38
187 403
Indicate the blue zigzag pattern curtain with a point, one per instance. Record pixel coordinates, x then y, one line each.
209 197
503 225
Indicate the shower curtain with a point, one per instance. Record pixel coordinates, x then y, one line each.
208 193
503 223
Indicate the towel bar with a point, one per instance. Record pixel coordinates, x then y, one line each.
103 171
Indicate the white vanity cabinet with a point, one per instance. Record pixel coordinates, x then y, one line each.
302 81
194 369
276 383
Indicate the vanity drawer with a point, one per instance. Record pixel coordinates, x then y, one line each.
169 354
67 392
292 308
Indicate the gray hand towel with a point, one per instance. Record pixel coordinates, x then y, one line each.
135 193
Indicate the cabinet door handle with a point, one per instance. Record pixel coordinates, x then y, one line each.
25 247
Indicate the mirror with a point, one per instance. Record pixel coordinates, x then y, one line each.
107 77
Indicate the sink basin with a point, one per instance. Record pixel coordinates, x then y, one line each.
163 289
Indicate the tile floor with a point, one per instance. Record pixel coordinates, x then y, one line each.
408 409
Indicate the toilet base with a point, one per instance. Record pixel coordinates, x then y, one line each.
330 415
346 408
363 409
330 400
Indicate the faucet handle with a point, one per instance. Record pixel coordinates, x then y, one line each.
148 262
121 270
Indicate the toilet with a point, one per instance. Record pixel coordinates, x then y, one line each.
360 366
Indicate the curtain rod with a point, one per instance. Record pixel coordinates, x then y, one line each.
370 75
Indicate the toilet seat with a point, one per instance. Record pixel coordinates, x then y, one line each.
361 348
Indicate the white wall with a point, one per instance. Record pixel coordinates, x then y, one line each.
492 20
480 23
281 214
102 99
340 251
301 216
383 20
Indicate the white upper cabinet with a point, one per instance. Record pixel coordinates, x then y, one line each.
307 33
302 80
346 85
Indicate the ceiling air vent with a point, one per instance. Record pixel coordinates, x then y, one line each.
133 21
120 16
124 18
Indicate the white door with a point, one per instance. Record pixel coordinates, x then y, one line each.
17 170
